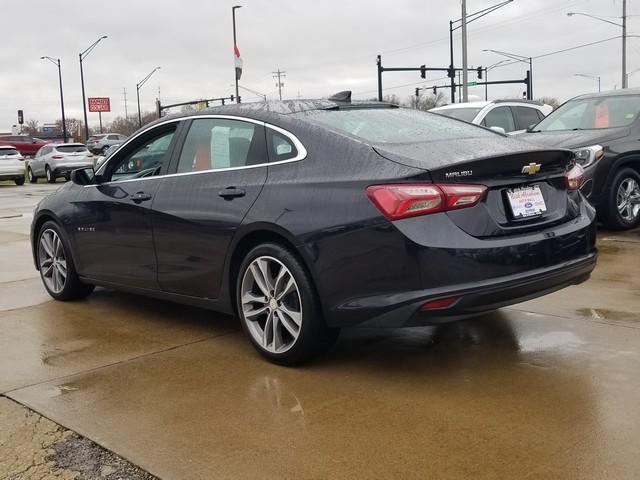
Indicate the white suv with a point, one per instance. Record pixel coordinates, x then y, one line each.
58 160
11 165
510 116
100 143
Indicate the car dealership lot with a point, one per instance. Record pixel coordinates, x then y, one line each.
544 389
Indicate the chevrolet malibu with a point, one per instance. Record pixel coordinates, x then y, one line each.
303 217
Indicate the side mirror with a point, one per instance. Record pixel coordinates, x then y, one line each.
499 130
531 127
83 176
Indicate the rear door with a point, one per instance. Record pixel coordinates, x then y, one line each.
219 173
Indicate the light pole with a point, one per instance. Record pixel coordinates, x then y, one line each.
82 56
235 50
458 24
622 25
64 122
519 58
486 76
592 77
138 86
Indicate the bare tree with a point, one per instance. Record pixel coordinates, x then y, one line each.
31 127
553 101
426 102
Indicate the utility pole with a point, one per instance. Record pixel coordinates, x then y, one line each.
279 75
236 53
624 44
465 87
126 113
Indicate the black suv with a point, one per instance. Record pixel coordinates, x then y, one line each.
604 131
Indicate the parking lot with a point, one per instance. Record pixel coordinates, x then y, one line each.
544 389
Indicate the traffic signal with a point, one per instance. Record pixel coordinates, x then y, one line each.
417 92
20 117
435 90
451 72
423 71
479 70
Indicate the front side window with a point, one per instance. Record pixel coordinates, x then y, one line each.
146 158
216 143
593 113
500 117
527 116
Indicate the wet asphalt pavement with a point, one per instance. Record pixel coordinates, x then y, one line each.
544 389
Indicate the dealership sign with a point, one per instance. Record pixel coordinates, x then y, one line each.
99 104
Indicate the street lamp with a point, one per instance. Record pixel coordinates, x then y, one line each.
519 58
592 77
486 76
235 50
82 56
64 122
622 25
138 86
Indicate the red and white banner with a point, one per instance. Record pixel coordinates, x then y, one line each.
237 61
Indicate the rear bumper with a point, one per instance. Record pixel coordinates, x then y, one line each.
479 297
11 174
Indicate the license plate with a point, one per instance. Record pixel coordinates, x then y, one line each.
526 201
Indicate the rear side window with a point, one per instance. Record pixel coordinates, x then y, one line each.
216 143
500 117
527 116
280 147
71 148
394 125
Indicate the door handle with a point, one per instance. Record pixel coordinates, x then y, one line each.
230 193
140 197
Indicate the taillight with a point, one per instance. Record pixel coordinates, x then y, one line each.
58 157
573 178
398 201
440 303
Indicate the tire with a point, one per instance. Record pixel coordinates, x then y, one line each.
19 181
59 285
301 332
622 205
49 174
32 177
104 149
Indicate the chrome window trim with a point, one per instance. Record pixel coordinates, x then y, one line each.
302 151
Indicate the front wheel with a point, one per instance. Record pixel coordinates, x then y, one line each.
56 266
279 308
622 209
50 177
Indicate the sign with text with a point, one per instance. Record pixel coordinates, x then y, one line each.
99 104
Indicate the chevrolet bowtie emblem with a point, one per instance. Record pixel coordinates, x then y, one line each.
532 168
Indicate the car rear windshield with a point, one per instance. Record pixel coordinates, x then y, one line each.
466 114
593 113
96 137
8 151
397 125
71 148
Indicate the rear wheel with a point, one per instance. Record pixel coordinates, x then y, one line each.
622 210
49 174
57 269
32 177
279 308
19 181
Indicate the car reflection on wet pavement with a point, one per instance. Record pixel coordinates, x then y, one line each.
545 389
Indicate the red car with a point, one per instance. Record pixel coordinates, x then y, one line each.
24 144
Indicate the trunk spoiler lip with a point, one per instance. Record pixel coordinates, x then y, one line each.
407 161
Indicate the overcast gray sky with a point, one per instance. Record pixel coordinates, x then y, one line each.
324 46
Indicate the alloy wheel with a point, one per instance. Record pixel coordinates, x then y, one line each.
628 200
271 304
53 262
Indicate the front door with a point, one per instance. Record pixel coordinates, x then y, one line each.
218 176
112 220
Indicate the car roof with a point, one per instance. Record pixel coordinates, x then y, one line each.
484 103
611 93
67 145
